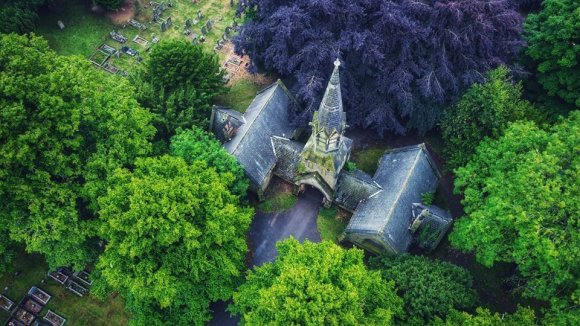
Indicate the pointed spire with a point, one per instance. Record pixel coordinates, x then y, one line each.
330 113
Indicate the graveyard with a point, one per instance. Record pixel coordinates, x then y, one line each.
119 48
33 295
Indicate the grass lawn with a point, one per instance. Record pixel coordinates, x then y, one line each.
329 225
367 160
77 310
83 33
278 202
240 95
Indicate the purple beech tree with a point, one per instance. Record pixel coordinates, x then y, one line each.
403 60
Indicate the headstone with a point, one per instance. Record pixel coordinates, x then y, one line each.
199 14
203 30
228 31
168 21
209 25
163 27
187 23
195 41
60 24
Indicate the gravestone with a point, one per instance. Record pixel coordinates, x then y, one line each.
209 25
199 14
60 24
168 21
195 41
228 31
163 26
225 37
203 30
187 23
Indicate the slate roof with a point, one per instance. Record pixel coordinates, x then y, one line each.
404 174
266 116
331 116
354 187
288 154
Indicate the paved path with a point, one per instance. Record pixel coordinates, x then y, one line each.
268 228
298 221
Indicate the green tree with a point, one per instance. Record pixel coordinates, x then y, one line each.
484 317
521 202
552 36
485 110
197 145
62 131
110 4
6 252
428 288
175 239
179 84
18 16
316 284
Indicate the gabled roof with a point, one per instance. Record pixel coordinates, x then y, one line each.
354 187
225 123
404 174
288 154
266 116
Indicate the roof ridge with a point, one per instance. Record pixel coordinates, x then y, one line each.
394 204
249 123
374 183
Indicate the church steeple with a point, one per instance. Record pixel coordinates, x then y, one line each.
331 116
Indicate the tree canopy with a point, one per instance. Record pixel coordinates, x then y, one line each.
179 84
552 36
18 16
483 111
110 4
521 202
428 288
62 131
175 239
403 61
197 145
484 317
315 284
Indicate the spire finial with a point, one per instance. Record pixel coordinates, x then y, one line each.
336 62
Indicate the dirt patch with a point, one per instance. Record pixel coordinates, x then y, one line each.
240 72
123 14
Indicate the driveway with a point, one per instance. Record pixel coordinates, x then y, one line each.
268 228
298 221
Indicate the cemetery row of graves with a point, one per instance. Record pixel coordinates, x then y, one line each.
32 308
129 43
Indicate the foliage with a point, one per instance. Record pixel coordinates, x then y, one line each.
485 110
110 4
521 202
484 317
62 131
278 202
403 61
350 166
6 253
427 198
328 224
315 284
197 145
552 36
428 288
175 239
179 84
18 16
